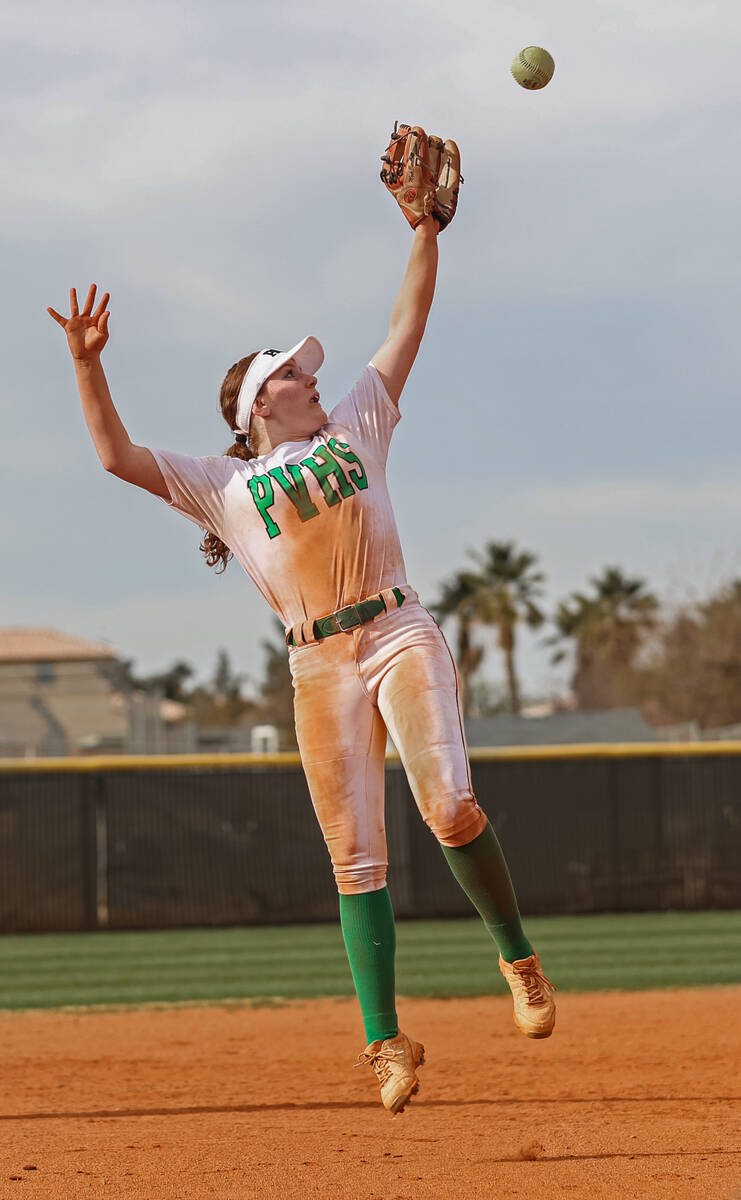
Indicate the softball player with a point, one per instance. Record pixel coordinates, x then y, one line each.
301 501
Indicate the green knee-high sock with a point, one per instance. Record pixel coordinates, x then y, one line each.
481 870
370 940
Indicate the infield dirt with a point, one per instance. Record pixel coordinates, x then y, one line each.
636 1095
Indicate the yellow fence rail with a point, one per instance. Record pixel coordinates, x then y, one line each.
168 762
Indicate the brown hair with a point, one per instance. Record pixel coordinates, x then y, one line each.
214 549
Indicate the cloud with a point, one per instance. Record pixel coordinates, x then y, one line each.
613 500
216 167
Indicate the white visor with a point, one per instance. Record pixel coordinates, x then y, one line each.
308 356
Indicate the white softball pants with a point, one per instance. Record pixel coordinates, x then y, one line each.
397 673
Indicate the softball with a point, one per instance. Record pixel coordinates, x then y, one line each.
533 67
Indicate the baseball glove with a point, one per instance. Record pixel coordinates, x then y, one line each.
423 174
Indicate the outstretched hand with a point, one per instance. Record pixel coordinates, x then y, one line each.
87 331
423 174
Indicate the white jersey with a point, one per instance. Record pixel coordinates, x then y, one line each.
310 522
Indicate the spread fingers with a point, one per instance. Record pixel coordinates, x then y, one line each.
101 307
89 301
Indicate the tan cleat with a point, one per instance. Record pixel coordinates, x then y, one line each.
395 1062
535 1008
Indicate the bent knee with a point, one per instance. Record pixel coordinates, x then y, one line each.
355 880
359 863
456 819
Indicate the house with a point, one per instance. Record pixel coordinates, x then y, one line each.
64 695
59 695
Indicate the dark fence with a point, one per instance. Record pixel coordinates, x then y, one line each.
108 845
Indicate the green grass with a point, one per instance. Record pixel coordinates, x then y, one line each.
434 958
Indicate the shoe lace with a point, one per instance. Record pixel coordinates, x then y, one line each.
380 1060
535 984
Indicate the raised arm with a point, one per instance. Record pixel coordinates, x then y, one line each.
87 334
395 358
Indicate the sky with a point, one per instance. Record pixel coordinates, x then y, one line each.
215 167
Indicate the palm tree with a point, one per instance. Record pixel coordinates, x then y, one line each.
607 628
508 595
459 599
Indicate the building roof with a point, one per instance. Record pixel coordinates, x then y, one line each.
48 645
608 725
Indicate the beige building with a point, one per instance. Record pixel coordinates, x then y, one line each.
62 695
59 695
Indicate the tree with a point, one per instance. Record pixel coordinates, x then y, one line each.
276 689
695 674
509 591
502 593
220 701
459 598
607 629
169 684
226 685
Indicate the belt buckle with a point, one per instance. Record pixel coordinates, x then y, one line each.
355 618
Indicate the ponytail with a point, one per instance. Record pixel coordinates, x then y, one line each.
217 552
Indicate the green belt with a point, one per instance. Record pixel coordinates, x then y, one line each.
350 617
